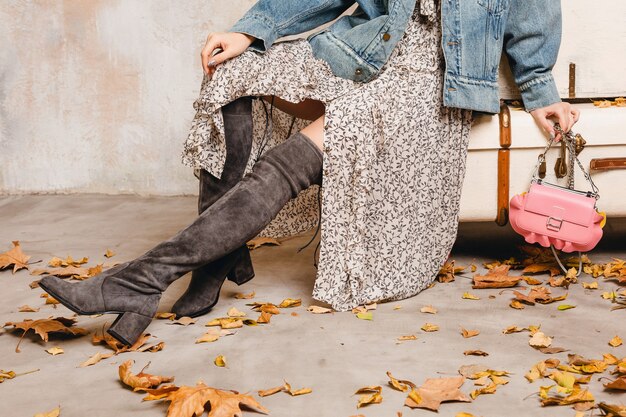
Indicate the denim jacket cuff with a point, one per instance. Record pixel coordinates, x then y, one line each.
258 26
539 92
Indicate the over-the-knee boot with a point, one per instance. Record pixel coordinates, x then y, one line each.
206 281
133 290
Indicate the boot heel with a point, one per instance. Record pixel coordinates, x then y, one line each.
128 327
242 271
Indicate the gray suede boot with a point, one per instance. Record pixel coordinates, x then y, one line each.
133 289
203 291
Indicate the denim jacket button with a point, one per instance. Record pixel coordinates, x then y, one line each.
386 36
358 71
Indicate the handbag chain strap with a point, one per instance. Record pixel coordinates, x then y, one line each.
570 142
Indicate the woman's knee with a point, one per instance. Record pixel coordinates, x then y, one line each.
308 109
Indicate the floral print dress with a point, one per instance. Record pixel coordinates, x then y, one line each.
394 159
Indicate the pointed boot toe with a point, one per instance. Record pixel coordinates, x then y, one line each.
82 298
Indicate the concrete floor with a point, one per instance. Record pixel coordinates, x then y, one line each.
332 354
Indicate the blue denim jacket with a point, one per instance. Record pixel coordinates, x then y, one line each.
475 32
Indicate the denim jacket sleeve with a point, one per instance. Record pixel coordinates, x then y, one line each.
531 42
269 20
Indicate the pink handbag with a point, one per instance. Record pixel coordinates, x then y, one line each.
556 216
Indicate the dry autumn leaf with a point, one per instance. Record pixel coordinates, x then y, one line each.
233 312
55 351
616 341
271 391
434 391
43 327
188 401
220 361
241 296
142 380
290 302
539 340
14 257
109 253
27 309
264 318
319 310
287 388
369 395
6 375
468 296
469 333
475 353
260 241
430 327
400 384
140 344
428 309
496 277
165 316
183 321
52 413
74 272
214 334
448 272
94 359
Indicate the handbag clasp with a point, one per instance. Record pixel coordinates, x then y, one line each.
554 224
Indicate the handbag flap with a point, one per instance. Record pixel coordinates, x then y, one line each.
560 204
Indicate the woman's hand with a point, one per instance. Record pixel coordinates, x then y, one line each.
229 45
563 112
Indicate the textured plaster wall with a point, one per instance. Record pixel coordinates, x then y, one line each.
97 95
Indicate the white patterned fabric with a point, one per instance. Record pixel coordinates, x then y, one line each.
394 159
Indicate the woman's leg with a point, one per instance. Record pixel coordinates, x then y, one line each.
133 289
206 282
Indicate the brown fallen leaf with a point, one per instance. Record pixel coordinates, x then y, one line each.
448 272
428 309
400 384
260 241
577 395
538 295
214 334
434 391
140 344
430 327
6 375
612 410
43 327
319 310
292 392
271 391
242 296
475 353
497 277
52 413
27 309
94 359
517 305
370 395
540 340
109 253
290 302
142 380
74 272
55 351
537 268
590 285
469 333
183 321
14 257
468 296
220 361
552 350
234 312
226 322
616 341
165 316
49 299
185 401
69 261
406 337
264 318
